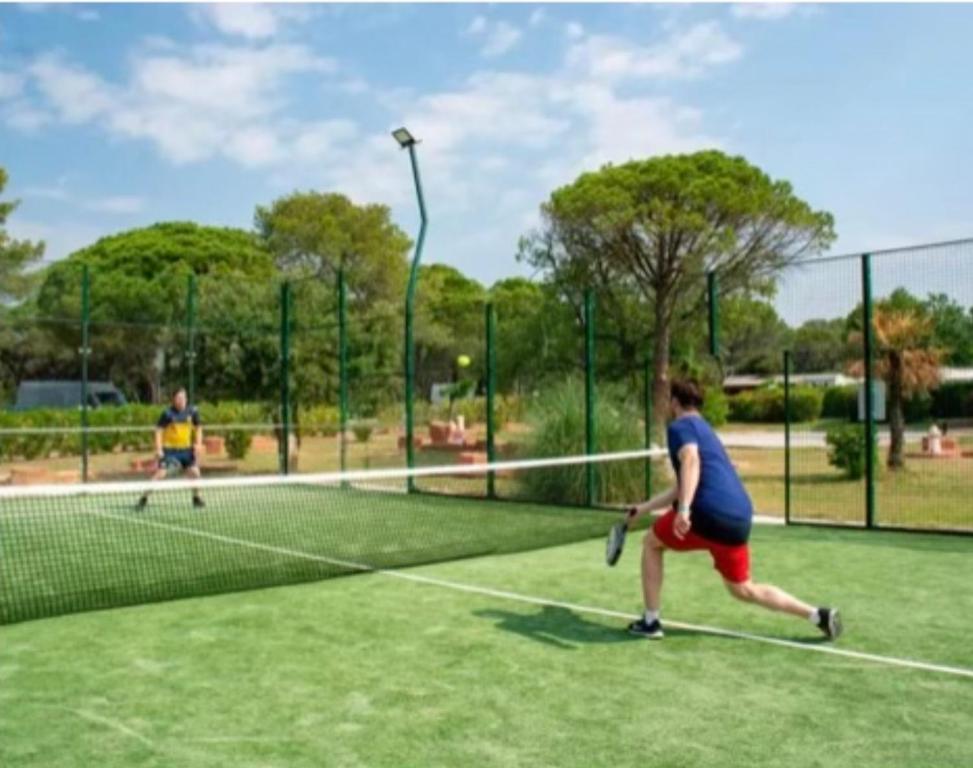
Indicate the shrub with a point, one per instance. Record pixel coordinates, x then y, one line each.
766 405
846 443
237 443
840 403
953 401
716 407
363 430
557 417
319 420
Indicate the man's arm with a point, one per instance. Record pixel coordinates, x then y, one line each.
688 483
158 442
659 501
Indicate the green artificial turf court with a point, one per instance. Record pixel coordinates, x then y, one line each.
410 668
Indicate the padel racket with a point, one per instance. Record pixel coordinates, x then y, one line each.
616 539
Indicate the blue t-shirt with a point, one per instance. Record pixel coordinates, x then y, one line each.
721 509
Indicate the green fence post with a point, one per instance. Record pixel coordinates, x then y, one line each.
343 368
85 354
712 293
491 388
867 354
648 425
787 436
191 339
589 394
285 342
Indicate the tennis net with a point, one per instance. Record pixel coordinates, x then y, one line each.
65 549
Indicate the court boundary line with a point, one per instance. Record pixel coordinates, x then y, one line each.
892 661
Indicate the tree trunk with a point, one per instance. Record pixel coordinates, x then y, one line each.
662 341
896 414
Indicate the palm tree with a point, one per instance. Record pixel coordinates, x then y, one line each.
905 361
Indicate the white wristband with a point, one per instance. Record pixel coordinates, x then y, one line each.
683 510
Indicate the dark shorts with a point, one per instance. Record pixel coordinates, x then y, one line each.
184 458
731 560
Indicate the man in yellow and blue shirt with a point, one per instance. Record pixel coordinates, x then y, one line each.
178 443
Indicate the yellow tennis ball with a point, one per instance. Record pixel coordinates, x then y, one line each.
463 361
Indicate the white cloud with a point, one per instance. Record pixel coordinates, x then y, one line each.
193 104
24 117
683 55
537 17
60 193
75 94
78 11
56 192
477 26
498 37
121 204
574 30
252 21
763 11
11 84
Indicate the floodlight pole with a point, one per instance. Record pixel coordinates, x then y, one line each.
406 141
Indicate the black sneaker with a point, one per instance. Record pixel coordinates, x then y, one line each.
642 628
829 622
198 502
142 503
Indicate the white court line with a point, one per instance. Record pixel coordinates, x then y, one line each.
516 596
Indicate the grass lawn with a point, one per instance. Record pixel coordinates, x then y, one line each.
376 671
927 493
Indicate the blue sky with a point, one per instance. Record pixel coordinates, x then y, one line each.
118 116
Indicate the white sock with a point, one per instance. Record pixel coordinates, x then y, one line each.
814 616
651 616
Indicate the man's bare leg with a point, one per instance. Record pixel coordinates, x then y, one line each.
652 572
770 597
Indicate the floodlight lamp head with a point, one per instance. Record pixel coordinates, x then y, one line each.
404 138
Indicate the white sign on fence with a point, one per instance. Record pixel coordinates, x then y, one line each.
878 401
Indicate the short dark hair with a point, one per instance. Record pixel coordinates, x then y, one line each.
176 391
687 392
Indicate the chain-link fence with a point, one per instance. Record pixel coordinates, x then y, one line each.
872 425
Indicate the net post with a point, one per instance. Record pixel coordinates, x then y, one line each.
343 368
85 354
191 338
589 393
712 293
867 355
491 387
647 376
787 436
285 311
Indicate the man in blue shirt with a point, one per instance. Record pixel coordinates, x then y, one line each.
709 509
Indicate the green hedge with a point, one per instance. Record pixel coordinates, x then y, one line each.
949 401
766 405
841 403
716 407
68 442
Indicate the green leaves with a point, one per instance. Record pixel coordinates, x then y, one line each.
15 255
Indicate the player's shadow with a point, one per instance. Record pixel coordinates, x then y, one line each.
562 627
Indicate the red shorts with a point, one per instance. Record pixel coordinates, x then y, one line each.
731 560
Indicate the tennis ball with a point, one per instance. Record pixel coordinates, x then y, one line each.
463 361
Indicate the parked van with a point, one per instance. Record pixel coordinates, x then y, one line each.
66 394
